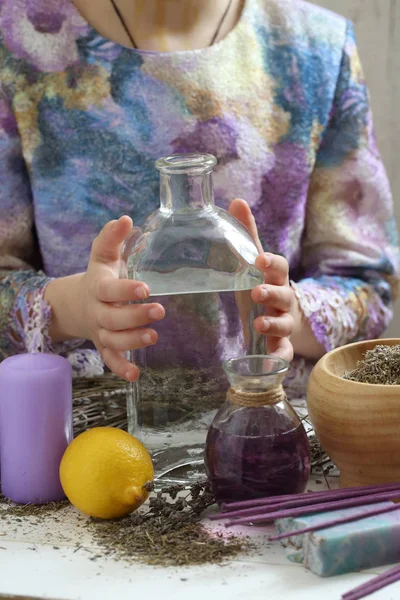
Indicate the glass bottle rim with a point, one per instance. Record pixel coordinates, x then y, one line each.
189 163
232 366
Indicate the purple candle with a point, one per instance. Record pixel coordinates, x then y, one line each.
35 426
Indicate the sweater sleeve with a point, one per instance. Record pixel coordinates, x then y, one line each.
24 315
350 249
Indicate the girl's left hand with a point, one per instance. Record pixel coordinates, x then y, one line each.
281 307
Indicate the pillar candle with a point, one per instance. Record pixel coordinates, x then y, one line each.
35 426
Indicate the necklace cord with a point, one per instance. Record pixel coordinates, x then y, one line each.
124 25
130 36
222 21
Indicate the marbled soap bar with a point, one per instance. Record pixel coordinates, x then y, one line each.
363 544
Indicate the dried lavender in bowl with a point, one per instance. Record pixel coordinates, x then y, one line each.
381 365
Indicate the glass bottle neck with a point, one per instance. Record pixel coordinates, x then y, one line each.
255 374
184 192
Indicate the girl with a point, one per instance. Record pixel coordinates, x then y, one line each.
93 92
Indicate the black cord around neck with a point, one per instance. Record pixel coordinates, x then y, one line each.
124 25
222 21
128 33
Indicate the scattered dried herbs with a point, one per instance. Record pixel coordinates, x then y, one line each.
381 365
169 531
19 511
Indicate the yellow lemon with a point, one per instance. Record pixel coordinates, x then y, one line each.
104 473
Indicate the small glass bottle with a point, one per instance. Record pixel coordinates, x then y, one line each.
256 445
199 263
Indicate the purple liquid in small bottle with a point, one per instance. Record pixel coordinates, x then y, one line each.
255 466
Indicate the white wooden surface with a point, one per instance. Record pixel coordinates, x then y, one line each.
377 24
41 559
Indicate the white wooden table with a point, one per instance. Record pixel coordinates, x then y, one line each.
43 561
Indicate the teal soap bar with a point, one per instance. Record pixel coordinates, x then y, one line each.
294 544
362 544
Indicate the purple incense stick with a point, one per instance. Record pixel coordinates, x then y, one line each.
268 517
227 507
295 502
375 584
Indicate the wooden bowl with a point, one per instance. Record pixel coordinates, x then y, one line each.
358 424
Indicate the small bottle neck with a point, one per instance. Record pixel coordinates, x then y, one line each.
257 374
184 192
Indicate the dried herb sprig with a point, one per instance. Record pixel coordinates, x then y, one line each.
318 454
381 365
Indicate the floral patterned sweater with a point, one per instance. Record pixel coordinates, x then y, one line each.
281 101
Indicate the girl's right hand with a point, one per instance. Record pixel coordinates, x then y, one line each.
107 318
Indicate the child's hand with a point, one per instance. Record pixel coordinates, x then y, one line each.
113 325
276 294
280 305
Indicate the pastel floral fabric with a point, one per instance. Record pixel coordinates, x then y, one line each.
281 101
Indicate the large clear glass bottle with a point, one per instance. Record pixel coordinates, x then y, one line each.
199 263
256 445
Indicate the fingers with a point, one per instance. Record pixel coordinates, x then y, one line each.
274 267
131 339
107 245
121 329
129 316
110 289
242 212
119 364
280 347
281 326
279 297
